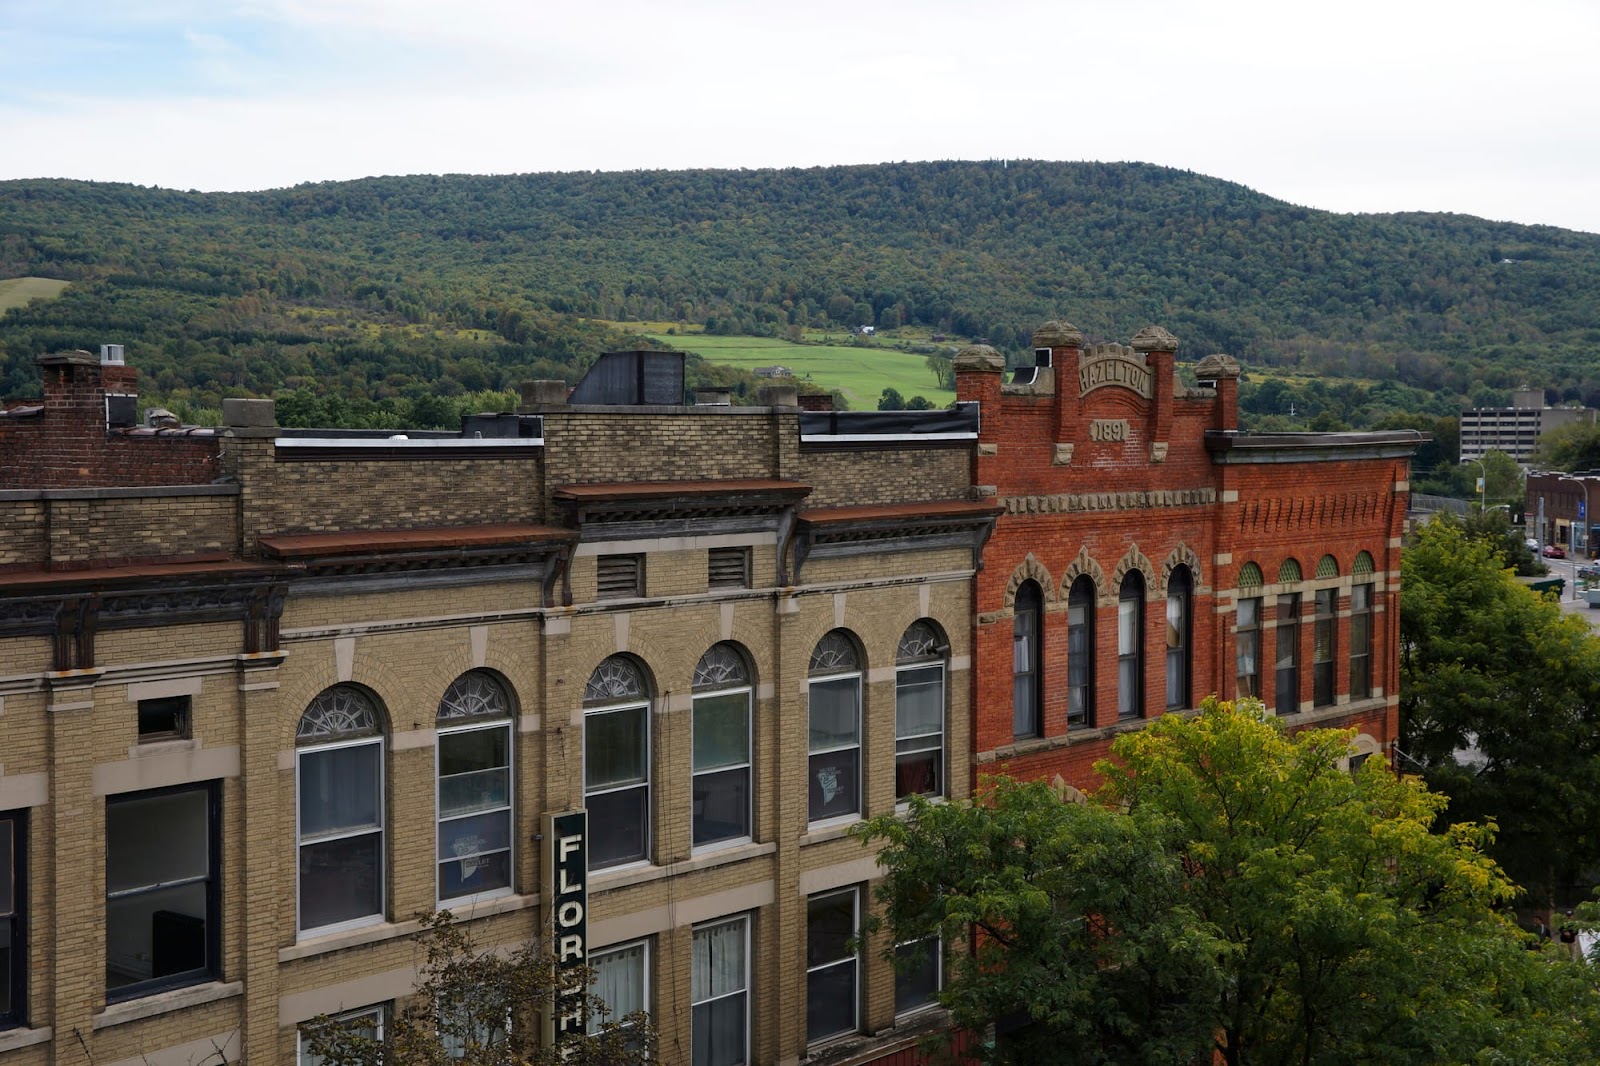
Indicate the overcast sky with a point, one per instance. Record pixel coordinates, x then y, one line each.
1490 109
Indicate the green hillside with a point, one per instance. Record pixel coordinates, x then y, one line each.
860 373
396 288
18 292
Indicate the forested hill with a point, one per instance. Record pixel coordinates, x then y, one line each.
391 286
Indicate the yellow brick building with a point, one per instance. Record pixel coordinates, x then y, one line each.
258 720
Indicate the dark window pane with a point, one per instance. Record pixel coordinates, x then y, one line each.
721 805
475 749
164 718
340 880
479 790
480 873
614 747
831 1001
8 899
339 789
834 784
835 712
830 923
717 1029
618 826
1025 663
155 934
918 774
721 730
916 987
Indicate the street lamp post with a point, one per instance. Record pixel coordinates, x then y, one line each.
1572 532
1483 483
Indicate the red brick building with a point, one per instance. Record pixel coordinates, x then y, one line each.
1150 553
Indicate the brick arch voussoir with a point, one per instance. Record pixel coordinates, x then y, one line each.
1030 569
1182 555
1134 559
1085 564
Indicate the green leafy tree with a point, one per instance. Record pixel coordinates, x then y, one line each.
919 403
477 1007
1500 704
1231 893
891 400
1572 447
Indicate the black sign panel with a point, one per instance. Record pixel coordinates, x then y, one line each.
566 893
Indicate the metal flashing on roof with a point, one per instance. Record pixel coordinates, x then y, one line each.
879 427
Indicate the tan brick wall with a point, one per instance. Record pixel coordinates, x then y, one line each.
22 532
85 530
885 475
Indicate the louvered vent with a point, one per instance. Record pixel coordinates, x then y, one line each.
620 575
728 568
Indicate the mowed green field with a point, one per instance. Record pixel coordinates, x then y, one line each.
16 292
861 374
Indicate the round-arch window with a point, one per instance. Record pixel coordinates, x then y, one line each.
339 829
721 775
834 704
616 763
919 713
474 789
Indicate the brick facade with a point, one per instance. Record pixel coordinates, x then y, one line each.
1108 467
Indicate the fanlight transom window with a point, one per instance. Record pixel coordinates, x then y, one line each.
834 654
615 680
474 695
920 643
336 713
721 667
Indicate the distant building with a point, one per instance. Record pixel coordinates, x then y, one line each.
1515 430
773 372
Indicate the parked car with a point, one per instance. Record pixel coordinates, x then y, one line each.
1589 572
1554 551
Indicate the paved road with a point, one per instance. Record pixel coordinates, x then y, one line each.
1572 601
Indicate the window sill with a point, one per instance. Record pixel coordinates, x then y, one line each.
164 1002
348 938
834 829
16 1039
638 875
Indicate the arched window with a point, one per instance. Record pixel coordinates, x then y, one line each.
339 825
1130 646
919 712
834 697
1324 646
1080 652
472 760
1180 590
616 763
1026 687
721 787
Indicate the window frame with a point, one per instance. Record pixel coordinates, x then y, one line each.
1027 719
381 1010
1325 638
509 809
813 679
641 707
939 661
853 960
743 920
1082 598
707 693
593 1021
932 1001
376 741
1361 680
1253 631
1179 652
1286 624
15 1012
1130 659
211 792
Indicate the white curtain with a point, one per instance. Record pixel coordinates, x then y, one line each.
718 966
619 979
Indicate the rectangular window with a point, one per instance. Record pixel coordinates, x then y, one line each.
13 912
1247 652
366 1023
621 982
1080 660
721 789
1024 672
161 890
728 568
474 799
1361 642
616 784
341 836
719 993
918 974
919 731
1287 636
835 747
1322 653
1130 664
832 967
164 719
619 576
